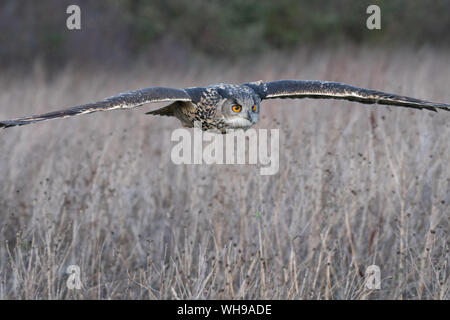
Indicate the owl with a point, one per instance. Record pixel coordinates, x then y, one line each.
223 106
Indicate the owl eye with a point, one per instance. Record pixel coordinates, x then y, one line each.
236 108
254 108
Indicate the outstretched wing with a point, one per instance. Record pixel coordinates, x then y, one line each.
126 100
336 90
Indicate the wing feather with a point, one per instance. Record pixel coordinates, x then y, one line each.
126 100
336 90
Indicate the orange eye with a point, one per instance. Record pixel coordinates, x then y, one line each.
236 108
254 108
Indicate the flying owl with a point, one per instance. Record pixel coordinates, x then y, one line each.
227 106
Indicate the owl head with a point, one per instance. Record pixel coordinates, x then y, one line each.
239 106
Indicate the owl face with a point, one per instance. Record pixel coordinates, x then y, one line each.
240 112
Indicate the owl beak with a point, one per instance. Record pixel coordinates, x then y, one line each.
251 117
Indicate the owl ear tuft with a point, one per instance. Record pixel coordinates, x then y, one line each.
259 87
257 83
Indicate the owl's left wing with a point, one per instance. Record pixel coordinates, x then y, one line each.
337 90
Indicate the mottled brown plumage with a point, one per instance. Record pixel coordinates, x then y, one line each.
213 105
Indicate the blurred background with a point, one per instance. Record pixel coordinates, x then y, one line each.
358 184
115 32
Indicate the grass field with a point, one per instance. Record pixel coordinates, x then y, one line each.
358 185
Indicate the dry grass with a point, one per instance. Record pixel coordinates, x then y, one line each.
357 186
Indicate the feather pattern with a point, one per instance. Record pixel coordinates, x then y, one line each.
205 104
336 90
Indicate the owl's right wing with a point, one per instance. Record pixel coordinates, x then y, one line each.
336 90
126 100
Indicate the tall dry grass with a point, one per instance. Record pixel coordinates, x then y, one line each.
358 185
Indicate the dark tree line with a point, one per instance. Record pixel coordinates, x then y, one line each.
119 30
